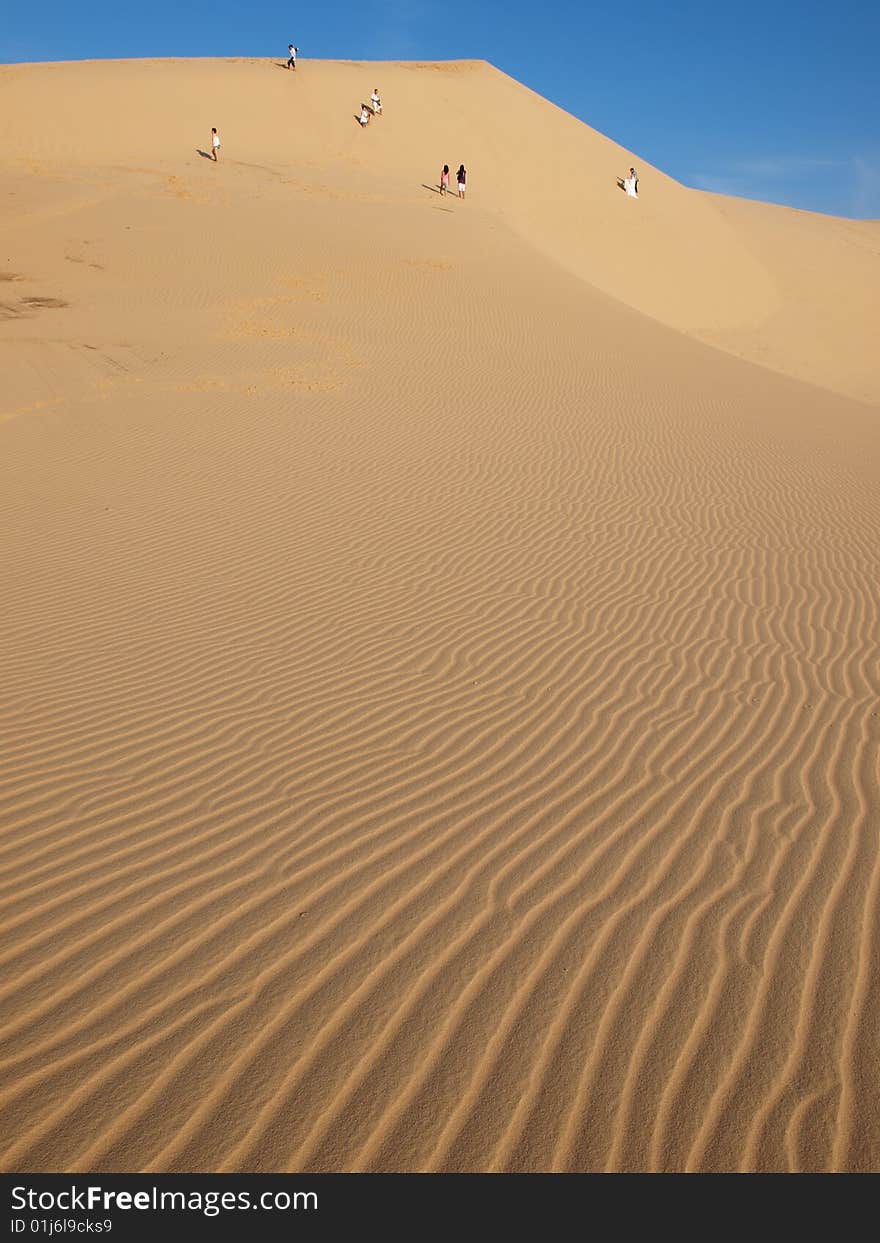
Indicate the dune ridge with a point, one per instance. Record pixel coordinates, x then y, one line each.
440 709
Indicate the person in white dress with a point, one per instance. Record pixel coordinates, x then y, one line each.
215 144
364 118
376 102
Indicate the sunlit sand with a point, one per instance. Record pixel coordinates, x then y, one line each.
440 640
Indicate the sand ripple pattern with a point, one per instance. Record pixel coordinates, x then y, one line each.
492 784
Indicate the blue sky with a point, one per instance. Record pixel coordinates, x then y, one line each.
776 100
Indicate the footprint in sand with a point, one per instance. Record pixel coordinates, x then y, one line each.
44 303
19 310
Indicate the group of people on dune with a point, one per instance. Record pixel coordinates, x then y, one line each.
460 177
629 184
372 109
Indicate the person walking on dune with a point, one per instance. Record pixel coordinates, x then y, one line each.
364 118
291 56
461 178
215 144
376 102
444 180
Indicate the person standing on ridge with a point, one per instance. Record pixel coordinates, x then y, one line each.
461 178
291 56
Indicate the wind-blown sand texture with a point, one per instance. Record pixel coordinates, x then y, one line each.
440 641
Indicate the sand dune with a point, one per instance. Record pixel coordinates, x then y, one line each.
786 289
440 700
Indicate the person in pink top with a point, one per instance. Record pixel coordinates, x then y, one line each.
444 179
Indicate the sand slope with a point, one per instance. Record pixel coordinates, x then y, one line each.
784 288
440 701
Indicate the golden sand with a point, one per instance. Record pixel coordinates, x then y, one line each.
440 715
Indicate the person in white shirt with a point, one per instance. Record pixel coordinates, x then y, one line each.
291 56
376 102
215 144
630 184
364 118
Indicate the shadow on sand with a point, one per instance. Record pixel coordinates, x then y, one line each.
206 155
436 190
